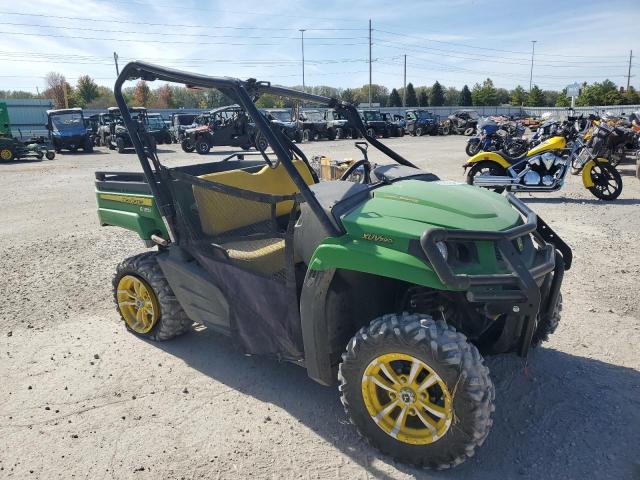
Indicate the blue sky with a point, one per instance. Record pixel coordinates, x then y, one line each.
454 41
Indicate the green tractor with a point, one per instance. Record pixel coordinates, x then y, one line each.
12 148
393 287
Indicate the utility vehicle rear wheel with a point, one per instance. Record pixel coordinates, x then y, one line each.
371 132
417 390
145 300
120 144
339 134
486 168
202 147
547 325
88 146
331 134
306 135
419 132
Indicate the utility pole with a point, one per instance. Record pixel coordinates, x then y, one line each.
369 63
115 59
404 89
629 74
302 30
37 90
533 50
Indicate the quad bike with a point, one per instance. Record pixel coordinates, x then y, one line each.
390 286
544 168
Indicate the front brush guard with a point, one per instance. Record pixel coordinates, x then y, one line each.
525 297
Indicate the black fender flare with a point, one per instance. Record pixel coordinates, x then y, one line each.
313 322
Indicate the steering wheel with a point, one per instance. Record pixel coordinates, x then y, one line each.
364 163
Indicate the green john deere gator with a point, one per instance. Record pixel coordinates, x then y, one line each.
390 286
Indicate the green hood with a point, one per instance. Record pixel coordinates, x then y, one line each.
407 208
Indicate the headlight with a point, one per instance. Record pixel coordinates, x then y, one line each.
442 247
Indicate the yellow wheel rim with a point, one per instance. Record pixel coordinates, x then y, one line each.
138 304
5 154
407 399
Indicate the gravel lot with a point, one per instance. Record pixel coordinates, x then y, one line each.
82 398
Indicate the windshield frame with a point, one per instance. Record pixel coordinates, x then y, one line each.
246 93
55 118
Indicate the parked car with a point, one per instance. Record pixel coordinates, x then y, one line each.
375 123
226 126
67 130
396 124
338 125
464 122
314 125
283 118
158 128
179 122
421 122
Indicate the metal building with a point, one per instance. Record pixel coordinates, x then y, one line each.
28 116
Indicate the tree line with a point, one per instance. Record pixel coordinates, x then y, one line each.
88 94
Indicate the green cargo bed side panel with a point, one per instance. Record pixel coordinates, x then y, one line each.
132 211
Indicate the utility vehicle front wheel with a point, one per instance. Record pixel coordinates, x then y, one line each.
120 144
547 325
417 390
187 145
145 300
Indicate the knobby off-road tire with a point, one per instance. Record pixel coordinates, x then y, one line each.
548 325
171 321
453 361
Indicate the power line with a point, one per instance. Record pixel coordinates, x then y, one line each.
170 42
488 48
209 27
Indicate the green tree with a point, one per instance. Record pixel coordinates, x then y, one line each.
412 98
535 97
423 98
484 94
348 95
605 93
465 97
562 100
518 96
452 96
394 99
502 96
550 97
436 98
86 90
631 97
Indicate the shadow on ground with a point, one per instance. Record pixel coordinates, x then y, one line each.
564 417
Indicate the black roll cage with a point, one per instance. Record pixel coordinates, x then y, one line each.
245 92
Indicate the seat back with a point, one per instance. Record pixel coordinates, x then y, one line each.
222 212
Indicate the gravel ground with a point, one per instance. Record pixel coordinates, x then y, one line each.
83 398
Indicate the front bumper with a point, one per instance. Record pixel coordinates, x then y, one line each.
522 293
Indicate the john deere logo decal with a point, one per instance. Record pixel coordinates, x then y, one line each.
374 237
127 199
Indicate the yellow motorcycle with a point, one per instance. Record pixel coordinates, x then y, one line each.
544 167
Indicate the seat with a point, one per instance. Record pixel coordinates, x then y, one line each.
225 215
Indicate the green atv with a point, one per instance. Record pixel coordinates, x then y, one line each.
390 287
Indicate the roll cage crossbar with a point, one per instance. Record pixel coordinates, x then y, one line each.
244 92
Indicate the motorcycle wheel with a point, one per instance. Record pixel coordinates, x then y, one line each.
472 148
486 168
469 131
445 130
607 182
